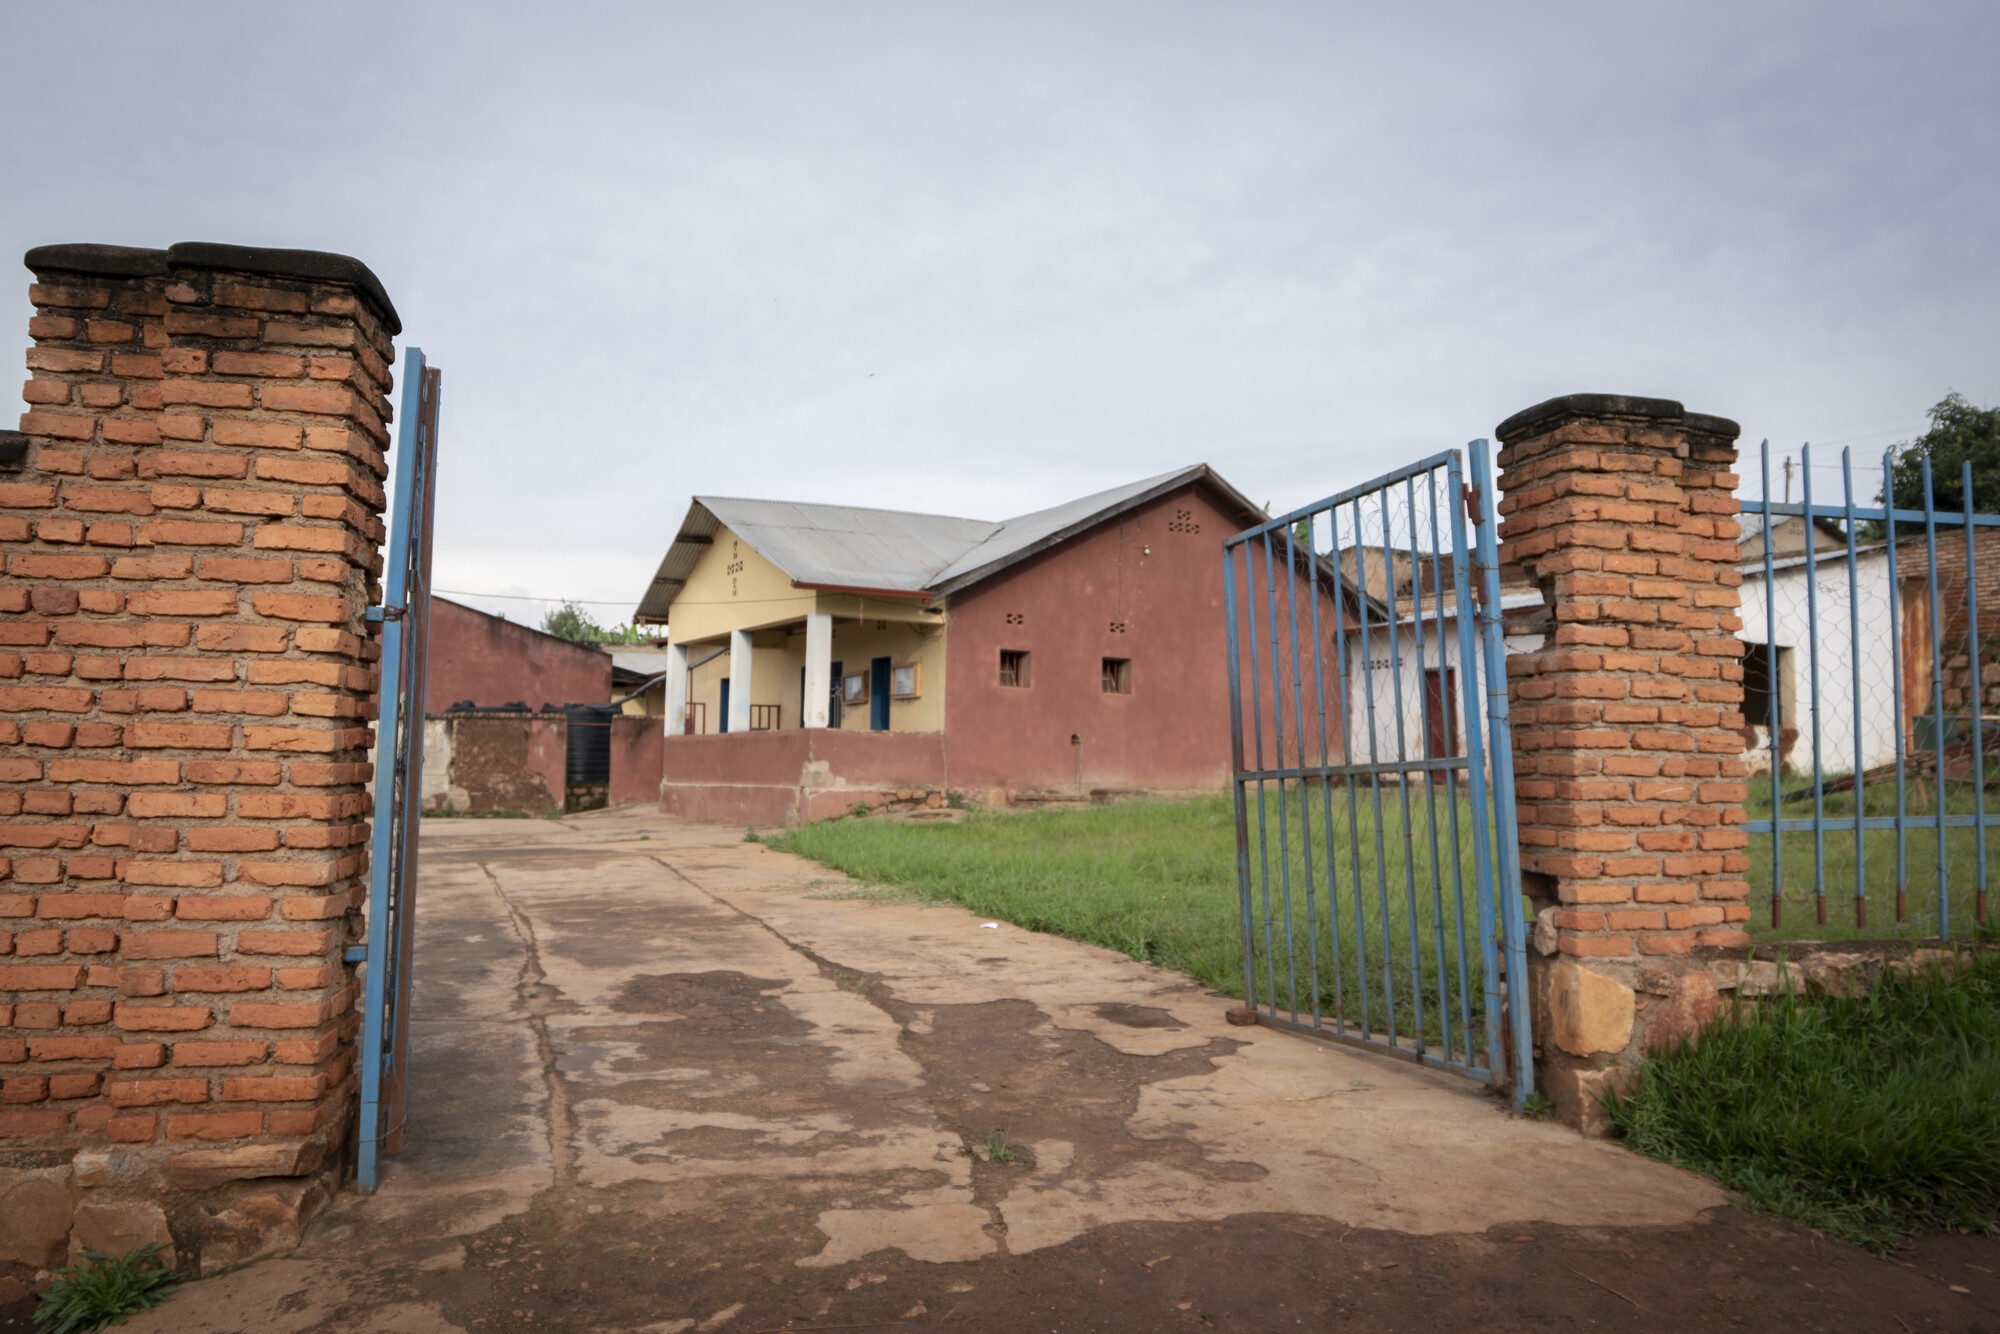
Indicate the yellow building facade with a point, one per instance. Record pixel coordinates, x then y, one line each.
738 618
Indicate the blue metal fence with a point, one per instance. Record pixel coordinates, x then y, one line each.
1893 737
399 751
1377 854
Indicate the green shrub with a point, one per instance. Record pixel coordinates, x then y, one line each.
1869 1117
104 1289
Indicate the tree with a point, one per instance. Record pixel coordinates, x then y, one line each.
573 623
1960 433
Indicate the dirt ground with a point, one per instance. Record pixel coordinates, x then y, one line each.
665 1080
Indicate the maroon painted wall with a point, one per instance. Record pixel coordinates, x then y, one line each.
1150 571
636 746
761 777
490 662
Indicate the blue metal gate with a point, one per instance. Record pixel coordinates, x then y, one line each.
1377 860
1872 698
399 754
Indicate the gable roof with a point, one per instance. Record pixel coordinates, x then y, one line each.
893 552
1752 525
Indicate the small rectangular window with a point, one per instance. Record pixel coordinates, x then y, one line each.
1117 676
1013 668
854 689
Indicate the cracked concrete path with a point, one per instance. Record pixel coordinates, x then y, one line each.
665 1080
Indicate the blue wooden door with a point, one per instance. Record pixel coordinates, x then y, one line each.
878 695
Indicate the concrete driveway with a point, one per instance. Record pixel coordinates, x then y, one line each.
667 1080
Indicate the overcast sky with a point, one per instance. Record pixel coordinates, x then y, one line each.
977 259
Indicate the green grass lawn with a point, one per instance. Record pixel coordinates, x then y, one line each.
1157 881
1870 1118
1879 865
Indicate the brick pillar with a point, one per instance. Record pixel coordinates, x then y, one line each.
1627 726
191 537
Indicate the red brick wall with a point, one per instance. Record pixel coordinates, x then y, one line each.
1627 735
494 662
1629 775
1951 570
190 547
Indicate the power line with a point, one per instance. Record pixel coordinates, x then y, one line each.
529 597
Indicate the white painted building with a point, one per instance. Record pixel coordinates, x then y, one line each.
1416 672
1829 659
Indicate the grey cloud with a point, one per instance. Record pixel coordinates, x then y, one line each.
981 258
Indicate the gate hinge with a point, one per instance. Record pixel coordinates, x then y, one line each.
381 614
1471 494
356 954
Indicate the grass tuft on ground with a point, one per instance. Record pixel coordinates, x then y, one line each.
104 1289
1155 880
1870 1118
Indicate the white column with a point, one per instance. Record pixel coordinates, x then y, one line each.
739 680
819 668
677 688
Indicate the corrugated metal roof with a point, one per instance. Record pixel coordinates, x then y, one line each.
645 661
1021 536
846 546
1752 522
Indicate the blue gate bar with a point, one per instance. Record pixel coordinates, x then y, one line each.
1854 674
1299 751
1236 787
1449 700
1777 705
1812 679
1278 746
1394 627
1977 704
1475 756
1954 759
1507 849
1326 788
1375 778
1896 694
1341 653
1403 1006
1937 703
387 860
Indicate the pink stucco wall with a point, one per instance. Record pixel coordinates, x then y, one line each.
492 662
1147 587
636 759
775 778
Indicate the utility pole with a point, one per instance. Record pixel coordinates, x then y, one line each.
1788 479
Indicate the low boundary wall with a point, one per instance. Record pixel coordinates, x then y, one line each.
799 775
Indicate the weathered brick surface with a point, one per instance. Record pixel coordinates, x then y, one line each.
1627 723
184 701
1956 609
1629 775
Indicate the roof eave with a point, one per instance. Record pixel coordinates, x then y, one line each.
1194 474
910 594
